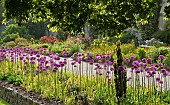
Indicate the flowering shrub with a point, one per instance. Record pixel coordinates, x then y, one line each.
48 39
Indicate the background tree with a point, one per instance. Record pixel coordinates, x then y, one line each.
109 17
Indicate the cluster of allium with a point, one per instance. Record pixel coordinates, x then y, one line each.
51 63
156 71
78 59
48 39
64 53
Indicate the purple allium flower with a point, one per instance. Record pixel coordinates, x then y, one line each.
127 60
166 67
163 70
149 60
128 79
120 68
161 57
111 68
105 64
132 58
161 82
148 75
158 79
137 70
55 69
144 60
32 62
160 64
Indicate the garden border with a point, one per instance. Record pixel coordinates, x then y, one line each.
17 95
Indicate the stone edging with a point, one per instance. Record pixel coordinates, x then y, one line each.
14 96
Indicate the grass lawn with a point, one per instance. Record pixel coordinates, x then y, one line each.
2 102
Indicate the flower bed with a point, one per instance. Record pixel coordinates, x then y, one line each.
95 85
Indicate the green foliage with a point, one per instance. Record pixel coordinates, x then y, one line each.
21 41
166 61
72 15
141 52
163 36
128 48
153 53
10 37
167 25
14 29
10 44
36 29
11 78
163 51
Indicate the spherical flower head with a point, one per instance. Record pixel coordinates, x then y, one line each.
160 64
120 68
132 58
137 70
149 60
166 67
105 64
144 60
157 79
161 57
127 60
128 79
148 75
55 69
163 70
112 68
32 62
161 82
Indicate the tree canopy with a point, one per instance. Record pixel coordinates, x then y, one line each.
108 16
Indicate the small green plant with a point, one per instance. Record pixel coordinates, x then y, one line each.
141 52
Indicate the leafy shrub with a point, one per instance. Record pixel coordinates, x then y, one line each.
141 52
163 51
167 25
10 44
163 36
73 41
153 53
129 36
22 41
128 48
166 61
10 37
14 29
48 39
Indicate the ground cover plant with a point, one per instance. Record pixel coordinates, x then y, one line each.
95 84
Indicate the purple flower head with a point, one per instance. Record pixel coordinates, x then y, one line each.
166 67
132 58
32 62
91 62
161 57
160 64
148 75
144 60
105 64
163 70
120 68
149 60
158 79
135 64
137 70
161 82
128 79
111 68
127 60
55 69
